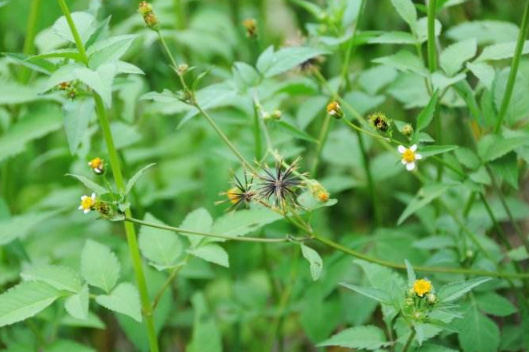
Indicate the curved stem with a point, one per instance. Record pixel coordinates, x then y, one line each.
524 29
409 341
120 183
168 283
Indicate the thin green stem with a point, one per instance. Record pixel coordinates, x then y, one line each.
432 51
409 341
324 133
257 132
120 183
29 41
370 183
205 234
41 341
168 283
524 30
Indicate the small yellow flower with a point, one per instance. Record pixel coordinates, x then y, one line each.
335 110
97 165
250 24
323 196
233 195
422 287
87 203
409 156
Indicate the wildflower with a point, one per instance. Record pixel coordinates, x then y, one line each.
87 203
335 110
144 8
97 165
409 156
422 287
407 130
250 24
279 184
240 194
380 122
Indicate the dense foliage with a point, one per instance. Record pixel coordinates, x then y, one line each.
253 175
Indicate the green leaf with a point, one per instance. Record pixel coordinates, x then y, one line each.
70 346
206 334
136 177
394 37
404 61
486 73
59 277
35 64
494 304
407 11
432 150
212 253
31 127
124 299
373 293
411 273
99 80
159 246
285 59
441 82
295 132
109 50
492 147
477 332
77 304
85 23
361 337
91 185
424 197
426 116
518 108
77 115
467 157
25 300
198 220
99 266
243 222
71 54
454 56
500 51
455 290
20 226
484 32
314 259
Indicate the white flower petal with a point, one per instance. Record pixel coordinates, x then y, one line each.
410 166
404 162
83 198
80 207
401 149
93 196
413 147
418 156
86 211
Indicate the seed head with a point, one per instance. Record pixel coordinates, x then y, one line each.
380 122
279 184
241 194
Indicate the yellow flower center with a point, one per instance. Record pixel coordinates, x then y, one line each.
333 107
233 195
87 203
96 163
422 287
408 156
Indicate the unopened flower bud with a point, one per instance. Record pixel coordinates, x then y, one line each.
151 21
409 302
182 69
335 110
431 298
250 24
276 114
144 8
407 130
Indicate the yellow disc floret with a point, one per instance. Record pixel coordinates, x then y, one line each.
233 195
97 165
422 287
87 203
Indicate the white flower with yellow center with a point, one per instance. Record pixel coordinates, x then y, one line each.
409 156
97 165
87 203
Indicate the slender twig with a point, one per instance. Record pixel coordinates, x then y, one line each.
257 131
524 29
168 283
29 41
120 183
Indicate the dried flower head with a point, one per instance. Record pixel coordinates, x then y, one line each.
422 287
280 184
380 122
335 110
241 194
250 24
98 165
409 156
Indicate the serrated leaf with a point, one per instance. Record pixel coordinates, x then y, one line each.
454 56
432 150
159 246
77 115
198 220
99 266
85 23
361 337
59 277
100 80
501 51
455 290
486 73
468 158
426 116
212 253
394 37
492 147
77 304
21 225
91 185
407 11
124 299
109 50
25 300
518 107
477 332
243 222
286 59
424 197
494 304
314 259
136 177
410 272
373 293
404 61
